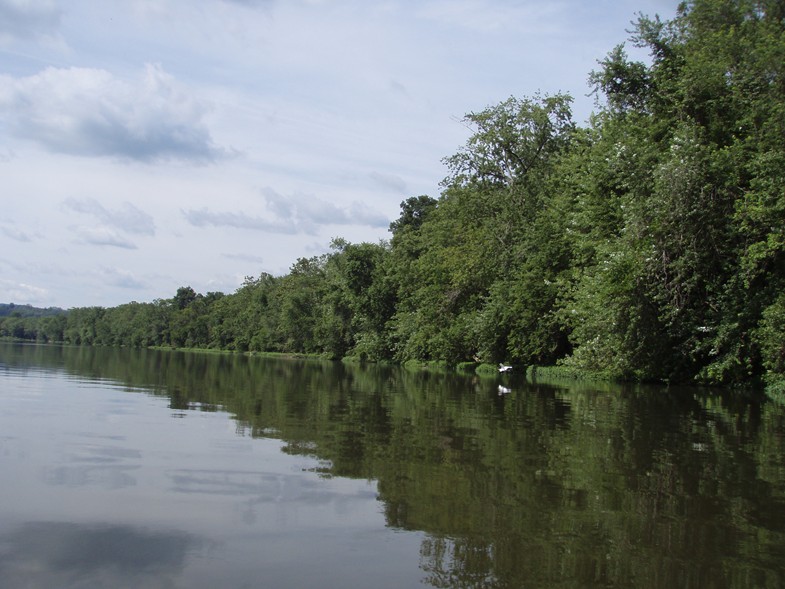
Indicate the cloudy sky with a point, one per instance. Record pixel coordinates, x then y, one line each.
152 144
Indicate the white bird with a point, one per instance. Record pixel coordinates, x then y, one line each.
505 368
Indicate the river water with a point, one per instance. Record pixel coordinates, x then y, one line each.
139 468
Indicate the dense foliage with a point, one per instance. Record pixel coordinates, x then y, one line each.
649 244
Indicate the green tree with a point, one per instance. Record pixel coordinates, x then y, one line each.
465 291
678 287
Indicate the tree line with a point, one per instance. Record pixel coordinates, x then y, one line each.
647 244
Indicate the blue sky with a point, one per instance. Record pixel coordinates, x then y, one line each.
152 144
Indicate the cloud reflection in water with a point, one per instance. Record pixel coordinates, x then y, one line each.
69 555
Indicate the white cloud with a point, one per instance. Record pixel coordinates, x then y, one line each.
129 218
122 279
298 213
90 112
487 15
204 217
23 19
102 236
308 212
15 233
266 4
391 182
20 291
244 258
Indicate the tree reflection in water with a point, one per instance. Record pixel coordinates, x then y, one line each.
550 485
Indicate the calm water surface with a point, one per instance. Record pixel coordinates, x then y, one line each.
127 468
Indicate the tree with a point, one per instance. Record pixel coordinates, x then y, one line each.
686 139
481 241
185 296
414 211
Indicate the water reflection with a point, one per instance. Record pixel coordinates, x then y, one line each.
97 460
64 555
543 485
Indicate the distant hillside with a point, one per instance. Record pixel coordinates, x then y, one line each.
10 309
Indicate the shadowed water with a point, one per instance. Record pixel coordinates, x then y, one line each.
138 468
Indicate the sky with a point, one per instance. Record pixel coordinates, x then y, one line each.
147 145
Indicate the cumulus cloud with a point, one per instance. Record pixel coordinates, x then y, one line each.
204 217
389 182
20 291
129 218
244 258
266 4
90 112
103 236
14 233
307 211
298 213
122 279
25 19
489 16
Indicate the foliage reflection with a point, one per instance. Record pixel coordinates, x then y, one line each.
550 485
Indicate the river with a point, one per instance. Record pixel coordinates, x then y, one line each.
140 468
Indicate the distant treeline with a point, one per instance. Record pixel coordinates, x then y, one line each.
12 310
649 244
